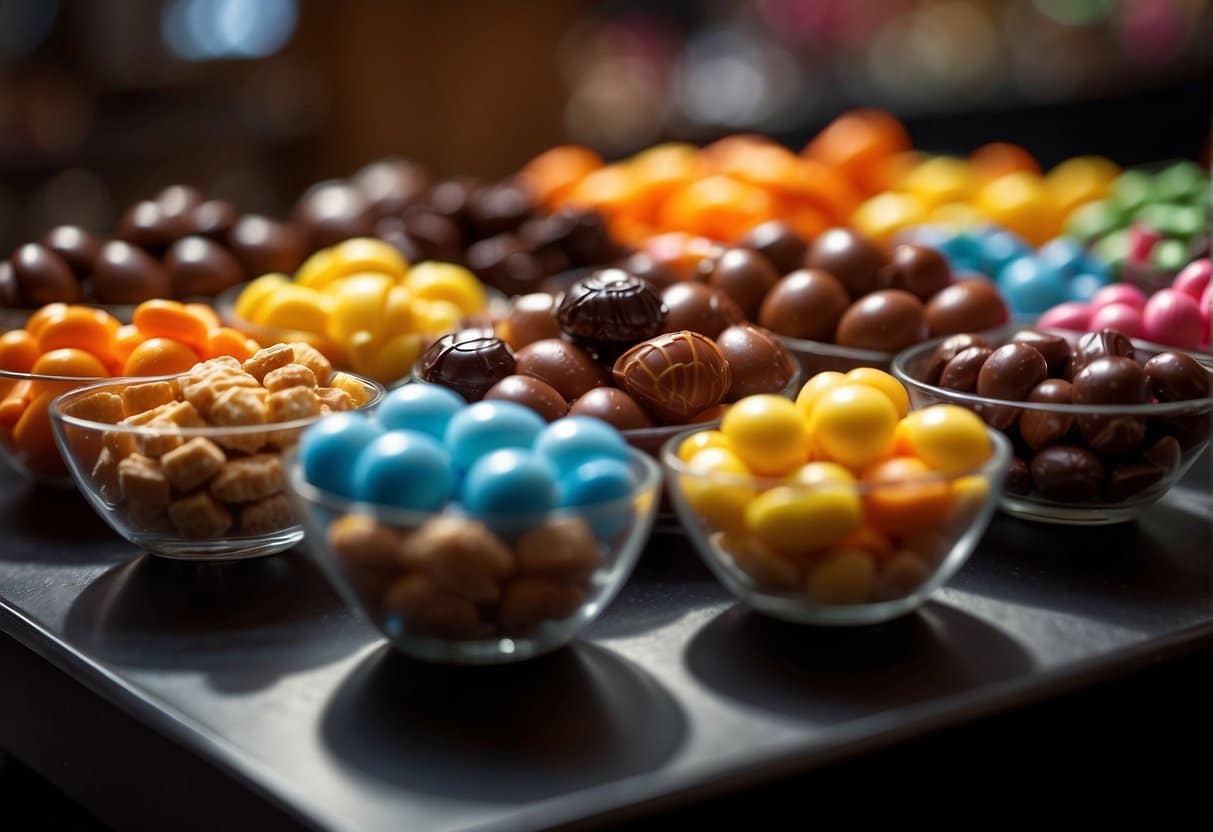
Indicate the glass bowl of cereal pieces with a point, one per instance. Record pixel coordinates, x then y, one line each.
840 508
1101 425
189 466
472 533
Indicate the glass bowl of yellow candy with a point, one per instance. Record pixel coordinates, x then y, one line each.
361 304
841 508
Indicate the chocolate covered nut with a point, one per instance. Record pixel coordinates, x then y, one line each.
675 375
565 367
1054 349
960 373
1040 428
200 267
613 406
1102 344
142 479
530 392
461 556
526 601
264 246
852 258
966 306
948 349
1130 478
779 244
470 366
1165 453
42 276
179 200
77 247
1019 479
1011 372
192 463
1176 377
1067 473
531 318
885 321
745 276
248 478
562 549
427 610
919 270
266 515
699 308
612 307
1112 380
758 361
807 304
125 274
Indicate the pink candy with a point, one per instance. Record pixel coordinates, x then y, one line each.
1206 313
1069 315
1194 279
1119 293
1122 316
1174 319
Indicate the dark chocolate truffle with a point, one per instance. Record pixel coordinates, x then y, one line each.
919 270
504 263
613 406
566 367
807 304
530 392
391 185
436 237
123 273
334 211
201 267
499 208
147 225
851 257
743 275
611 306
213 219
966 306
698 308
77 247
779 244
264 246
758 360
468 365
885 321
42 276
675 375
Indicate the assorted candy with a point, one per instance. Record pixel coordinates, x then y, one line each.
363 297
507 518
842 496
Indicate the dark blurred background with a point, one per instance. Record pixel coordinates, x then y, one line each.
103 102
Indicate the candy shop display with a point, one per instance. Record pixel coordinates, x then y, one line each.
841 507
190 465
63 347
1101 426
473 533
362 304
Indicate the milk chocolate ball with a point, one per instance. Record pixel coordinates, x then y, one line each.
264 246
77 247
885 321
851 257
504 263
919 270
657 275
948 349
699 308
214 219
758 360
564 366
391 185
966 306
1041 428
613 406
1011 372
1054 348
126 274
201 267
1112 380
42 276
147 225
962 369
334 211
530 392
743 275
806 304
779 244
531 318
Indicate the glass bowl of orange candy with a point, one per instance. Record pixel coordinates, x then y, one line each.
63 347
840 508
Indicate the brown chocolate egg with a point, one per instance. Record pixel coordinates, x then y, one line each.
966 306
1130 478
201 267
10 295
613 406
264 246
566 367
123 273
657 275
504 263
391 185
851 257
779 244
1067 473
334 211
42 276
435 236
919 270
885 321
1112 380
77 247
530 318
469 362
806 304
147 225
948 349
1165 453
1177 377
1011 372
1054 348
214 219
1041 428
961 371
758 360
179 200
1105 342
699 308
1019 479
743 275
530 392
675 375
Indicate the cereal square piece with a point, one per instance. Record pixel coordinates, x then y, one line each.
142 480
203 391
334 399
193 463
199 516
137 398
293 403
148 518
266 515
101 406
240 407
248 479
358 392
158 412
267 360
119 443
289 375
167 436
105 475
310 357
185 415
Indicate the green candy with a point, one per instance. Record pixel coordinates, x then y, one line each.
1113 249
1178 181
1171 220
1131 190
1169 255
1093 220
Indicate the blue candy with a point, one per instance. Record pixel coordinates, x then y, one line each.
1093 265
600 489
963 252
478 430
1063 255
1029 288
327 450
1084 285
569 442
427 408
510 490
404 469
998 248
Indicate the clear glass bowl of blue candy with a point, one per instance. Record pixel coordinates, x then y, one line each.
472 534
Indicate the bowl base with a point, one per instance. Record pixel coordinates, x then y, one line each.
221 549
1072 515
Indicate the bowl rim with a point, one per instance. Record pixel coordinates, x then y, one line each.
904 358
312 495
17 376
999 460
59 416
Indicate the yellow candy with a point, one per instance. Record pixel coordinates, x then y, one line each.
362 348
249 303
885 214
814 474
398 315
769 570
955 215
799 521
1080 180
397 356
718 498
358 305
1020 202
316 269
357 390
702 441
939 180
361 254
435 317
449 282
946 437
768 433
295 307
853 425
968 495
815 387
885 383
844 577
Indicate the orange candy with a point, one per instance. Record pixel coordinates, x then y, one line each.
78 327
38 319
552 175
159 357
204 313
228 341
908 501
858 144
75 363
127 338
170 319
719 207
999 158
681 252
18 351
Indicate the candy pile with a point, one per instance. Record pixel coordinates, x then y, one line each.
200 456
1177 316
615 348
518 514
366 303
842 496
1073 457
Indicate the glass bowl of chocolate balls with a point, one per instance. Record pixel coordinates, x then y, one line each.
615 347
1102 426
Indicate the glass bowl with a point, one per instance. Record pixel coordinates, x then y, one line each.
930 527
27 442
819 356
232 506
503 598
1187 422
